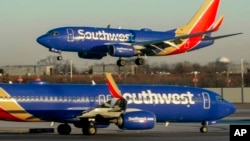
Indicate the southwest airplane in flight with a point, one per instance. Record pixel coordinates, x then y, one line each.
131 107
95 42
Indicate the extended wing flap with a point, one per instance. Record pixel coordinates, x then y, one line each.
104 112
109 109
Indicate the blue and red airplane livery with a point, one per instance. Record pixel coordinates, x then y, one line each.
130 107
97 42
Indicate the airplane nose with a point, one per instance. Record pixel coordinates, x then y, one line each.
43 40
228 109
224 109
231 108
40 40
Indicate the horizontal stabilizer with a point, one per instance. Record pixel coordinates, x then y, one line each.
222 36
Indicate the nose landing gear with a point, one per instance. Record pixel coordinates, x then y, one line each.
59 58
204 128
89 130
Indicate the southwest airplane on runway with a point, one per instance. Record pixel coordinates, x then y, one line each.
95 42
132 107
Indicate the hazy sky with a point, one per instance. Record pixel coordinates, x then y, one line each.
22 21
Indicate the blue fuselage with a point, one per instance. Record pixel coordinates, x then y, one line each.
94 42
63 102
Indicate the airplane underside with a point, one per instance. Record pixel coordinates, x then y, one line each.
101 117
89 127
120 62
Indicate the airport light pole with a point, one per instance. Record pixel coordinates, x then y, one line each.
242 80
71 71
195 79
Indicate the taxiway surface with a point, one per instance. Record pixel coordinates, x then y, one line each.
173 132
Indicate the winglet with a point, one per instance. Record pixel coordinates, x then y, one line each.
218 23
114 90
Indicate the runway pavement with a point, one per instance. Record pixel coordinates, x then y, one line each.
174 131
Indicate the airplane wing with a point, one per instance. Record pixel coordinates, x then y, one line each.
171 41
161 44
112 108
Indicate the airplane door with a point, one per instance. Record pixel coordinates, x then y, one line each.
101 99
206 100
70 33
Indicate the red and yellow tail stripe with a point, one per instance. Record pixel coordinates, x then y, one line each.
114 90
202 21
11 110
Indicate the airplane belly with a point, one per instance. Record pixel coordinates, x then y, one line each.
55 111
56 115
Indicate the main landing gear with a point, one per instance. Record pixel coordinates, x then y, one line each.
122 62
87 129
90 129
64 129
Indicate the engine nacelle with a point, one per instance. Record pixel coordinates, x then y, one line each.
137 120
120 50
87 55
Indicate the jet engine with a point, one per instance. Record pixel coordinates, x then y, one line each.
136 120
121 50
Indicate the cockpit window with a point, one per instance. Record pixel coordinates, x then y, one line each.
53 33
220 98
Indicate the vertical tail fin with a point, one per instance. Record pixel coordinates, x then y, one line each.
203 20
113 88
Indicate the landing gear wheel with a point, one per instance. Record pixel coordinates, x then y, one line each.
204 129
121 62
59 58
64 129
90 130
139 61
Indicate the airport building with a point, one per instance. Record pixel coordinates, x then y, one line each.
100 69
114 69
236 68
26 70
